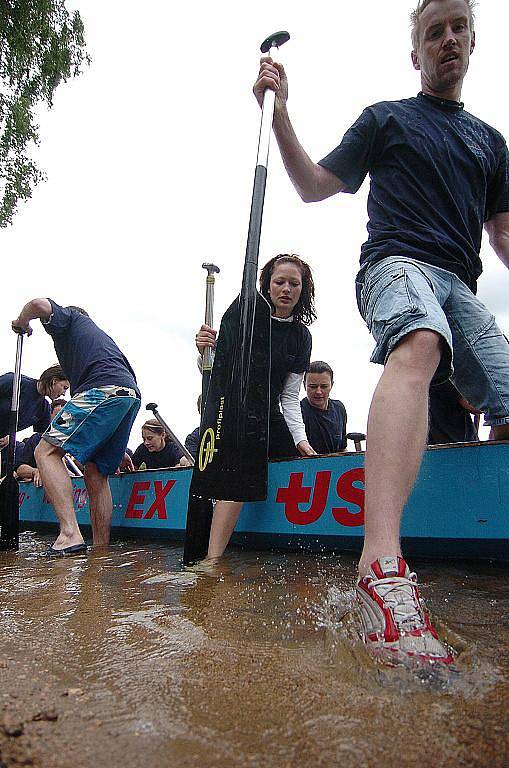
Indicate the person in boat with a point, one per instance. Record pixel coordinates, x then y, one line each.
287 283
192 441
324 418
34 406
94 425
26 465
157 451
450 419
437 175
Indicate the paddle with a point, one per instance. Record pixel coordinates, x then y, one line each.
9 488
199 508
153 407
232 456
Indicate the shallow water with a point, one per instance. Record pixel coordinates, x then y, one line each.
259 664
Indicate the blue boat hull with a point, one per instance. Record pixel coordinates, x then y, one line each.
459 507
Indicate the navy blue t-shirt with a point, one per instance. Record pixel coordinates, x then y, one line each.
89 357
169 456
325 430
437 174
34 409
192 441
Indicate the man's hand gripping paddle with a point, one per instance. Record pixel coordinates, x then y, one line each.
9 488
231 463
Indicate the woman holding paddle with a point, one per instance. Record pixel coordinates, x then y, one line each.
287 283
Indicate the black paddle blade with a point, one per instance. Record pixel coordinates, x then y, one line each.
199 520
231 462
9 513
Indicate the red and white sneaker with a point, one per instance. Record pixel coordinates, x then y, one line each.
396 626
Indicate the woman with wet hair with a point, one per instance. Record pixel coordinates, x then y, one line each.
287 284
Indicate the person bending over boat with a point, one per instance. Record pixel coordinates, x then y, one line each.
437 174
287 283
157 451
324 418
94 425
34 407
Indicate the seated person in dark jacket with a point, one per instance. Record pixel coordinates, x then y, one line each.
449 416
193 438
34 408
26 465
157 451
324 418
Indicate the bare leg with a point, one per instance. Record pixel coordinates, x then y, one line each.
58 487
226 514
396 438
101 504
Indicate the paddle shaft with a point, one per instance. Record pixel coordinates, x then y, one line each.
209 320
13 415
248 293
249 278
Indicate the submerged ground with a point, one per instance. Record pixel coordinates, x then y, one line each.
123 659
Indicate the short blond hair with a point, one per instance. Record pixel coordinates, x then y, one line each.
421 6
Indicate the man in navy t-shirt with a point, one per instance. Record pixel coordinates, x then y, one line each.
324 418
95 424
437 176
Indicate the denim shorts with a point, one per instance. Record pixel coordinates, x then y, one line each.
95 426
399 295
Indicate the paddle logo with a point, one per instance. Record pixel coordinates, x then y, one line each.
207 449
209 440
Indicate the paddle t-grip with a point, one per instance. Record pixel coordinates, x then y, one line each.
276 40
211 268
357 438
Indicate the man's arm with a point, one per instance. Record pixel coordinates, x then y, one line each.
498 232
37 308
311 181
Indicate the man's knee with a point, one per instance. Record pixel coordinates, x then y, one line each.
419 351
45 450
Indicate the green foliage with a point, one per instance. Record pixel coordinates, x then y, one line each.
41 44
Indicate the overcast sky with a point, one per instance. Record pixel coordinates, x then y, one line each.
150 158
